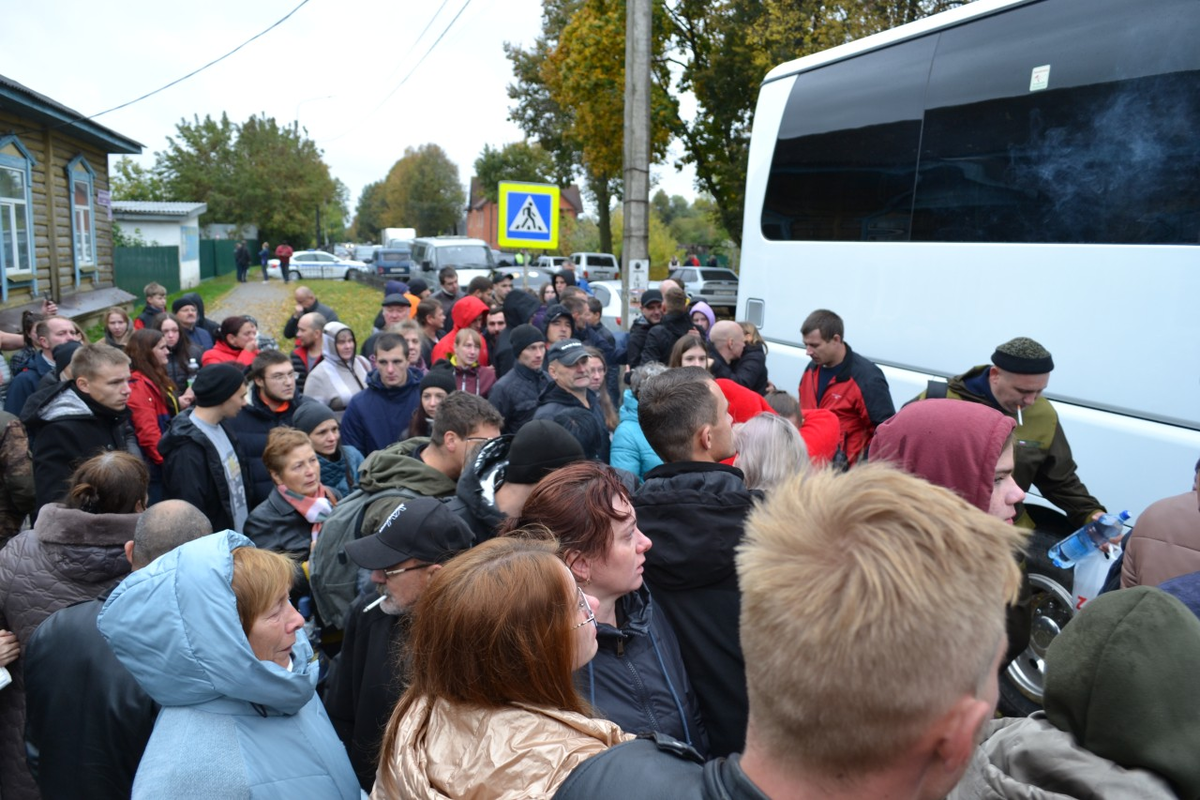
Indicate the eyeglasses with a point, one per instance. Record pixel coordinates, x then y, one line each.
586 608
282 377
391 572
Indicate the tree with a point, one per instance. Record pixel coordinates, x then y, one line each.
724 48
423 192
253 173
662 243
129 180
517 161
368 218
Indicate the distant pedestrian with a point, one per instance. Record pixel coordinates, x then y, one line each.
264 255
284 254
241 257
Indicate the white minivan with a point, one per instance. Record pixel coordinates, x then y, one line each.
596 266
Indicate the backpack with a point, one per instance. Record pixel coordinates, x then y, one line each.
333 577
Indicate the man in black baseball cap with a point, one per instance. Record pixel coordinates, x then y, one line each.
367 679
652 314
567 363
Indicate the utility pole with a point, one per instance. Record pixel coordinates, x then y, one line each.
636 246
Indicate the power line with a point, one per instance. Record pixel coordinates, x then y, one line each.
420 36
194 72
404 80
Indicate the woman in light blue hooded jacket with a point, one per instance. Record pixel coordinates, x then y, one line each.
210 635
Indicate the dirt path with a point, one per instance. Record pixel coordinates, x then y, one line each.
269 303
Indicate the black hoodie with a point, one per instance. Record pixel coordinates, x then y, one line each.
694 512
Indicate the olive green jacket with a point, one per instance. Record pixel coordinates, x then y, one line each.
1042 454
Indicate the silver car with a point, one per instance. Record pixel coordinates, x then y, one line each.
714 285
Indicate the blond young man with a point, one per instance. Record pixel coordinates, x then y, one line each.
846 581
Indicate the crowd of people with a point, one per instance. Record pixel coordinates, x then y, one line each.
491 549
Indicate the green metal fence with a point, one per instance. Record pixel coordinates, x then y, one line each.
134 267
216 257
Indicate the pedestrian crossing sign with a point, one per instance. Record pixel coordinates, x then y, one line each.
528 215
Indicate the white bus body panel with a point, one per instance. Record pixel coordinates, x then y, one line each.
1120 320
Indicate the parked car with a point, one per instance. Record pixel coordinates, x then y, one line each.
393 262
310 264
596 266
431 253
365 253
714 285
550 262
609 293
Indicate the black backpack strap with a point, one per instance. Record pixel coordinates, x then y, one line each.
936 390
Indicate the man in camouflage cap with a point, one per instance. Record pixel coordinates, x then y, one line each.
1013 384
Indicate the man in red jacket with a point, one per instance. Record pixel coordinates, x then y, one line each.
844 382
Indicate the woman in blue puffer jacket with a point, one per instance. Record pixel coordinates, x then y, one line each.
208 632
637 678
630 449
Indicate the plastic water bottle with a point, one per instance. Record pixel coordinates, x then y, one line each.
192 368
1102 530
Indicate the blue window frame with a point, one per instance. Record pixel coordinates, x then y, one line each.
16 216
81 183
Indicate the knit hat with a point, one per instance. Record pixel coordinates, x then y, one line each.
309 416
216 383
419 527
395 287
1186 588
1121 680
181 302
438 378
1023 356
396 300
417 285
522 336
539 448
62 355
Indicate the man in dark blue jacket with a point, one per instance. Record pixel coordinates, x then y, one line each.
516 395
379 415
566 361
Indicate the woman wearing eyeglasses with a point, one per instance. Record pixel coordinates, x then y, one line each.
491 711
637 678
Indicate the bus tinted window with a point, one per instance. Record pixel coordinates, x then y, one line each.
1106 154
846 158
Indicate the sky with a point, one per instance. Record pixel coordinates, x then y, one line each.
336 66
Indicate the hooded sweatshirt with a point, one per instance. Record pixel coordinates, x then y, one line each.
465 311
334 381
705 309
231 725
1122 716
948 443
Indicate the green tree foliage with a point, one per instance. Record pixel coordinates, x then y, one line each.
253 173
372 208
724 48
423 192
662 242
129 180
517 161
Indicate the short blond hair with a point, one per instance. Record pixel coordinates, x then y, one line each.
871 602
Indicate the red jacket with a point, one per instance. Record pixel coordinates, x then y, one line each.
222 353
466 310
150 412
859 395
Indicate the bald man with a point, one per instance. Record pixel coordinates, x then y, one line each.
732 358
306 303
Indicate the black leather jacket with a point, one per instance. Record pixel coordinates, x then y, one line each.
658 768
87 720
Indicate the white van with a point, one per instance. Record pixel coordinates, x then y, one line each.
1006 168
431 253
596 266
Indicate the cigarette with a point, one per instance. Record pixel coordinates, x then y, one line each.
375 602
1020 421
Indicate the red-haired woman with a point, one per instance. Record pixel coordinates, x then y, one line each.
153 398
637 678
491 711
237 342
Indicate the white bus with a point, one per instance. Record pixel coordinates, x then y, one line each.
1007 168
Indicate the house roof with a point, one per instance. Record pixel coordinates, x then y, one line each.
146 209
23 101
571 195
